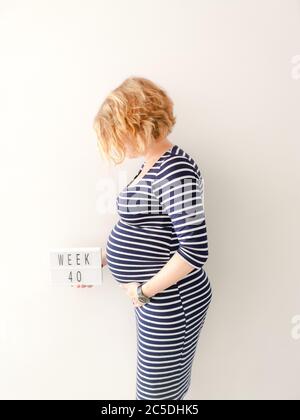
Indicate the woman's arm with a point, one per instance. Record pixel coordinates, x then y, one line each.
180 192
175 269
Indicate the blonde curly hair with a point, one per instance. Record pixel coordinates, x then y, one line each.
137 111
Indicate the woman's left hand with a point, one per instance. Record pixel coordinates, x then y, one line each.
131 290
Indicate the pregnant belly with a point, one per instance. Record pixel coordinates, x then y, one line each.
135 253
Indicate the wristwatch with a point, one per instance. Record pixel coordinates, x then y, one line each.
141 297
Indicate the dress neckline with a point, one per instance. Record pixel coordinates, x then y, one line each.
155 163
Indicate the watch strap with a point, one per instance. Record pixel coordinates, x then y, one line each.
141 296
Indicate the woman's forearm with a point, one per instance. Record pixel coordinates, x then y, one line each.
174 270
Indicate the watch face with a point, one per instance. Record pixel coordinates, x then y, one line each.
142 299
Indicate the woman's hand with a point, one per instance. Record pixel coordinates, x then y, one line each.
103 263
131 290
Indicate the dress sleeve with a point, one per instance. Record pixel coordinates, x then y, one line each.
179 187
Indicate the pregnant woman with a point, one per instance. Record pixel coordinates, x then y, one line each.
157 249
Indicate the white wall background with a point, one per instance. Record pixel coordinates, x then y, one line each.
233 70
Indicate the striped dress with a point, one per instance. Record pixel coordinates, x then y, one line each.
161 214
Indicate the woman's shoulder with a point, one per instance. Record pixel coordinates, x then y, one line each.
178 163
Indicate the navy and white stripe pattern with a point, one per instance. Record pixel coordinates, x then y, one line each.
161 214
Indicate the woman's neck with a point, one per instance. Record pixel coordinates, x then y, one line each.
157 149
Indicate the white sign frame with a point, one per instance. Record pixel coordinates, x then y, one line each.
76 265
